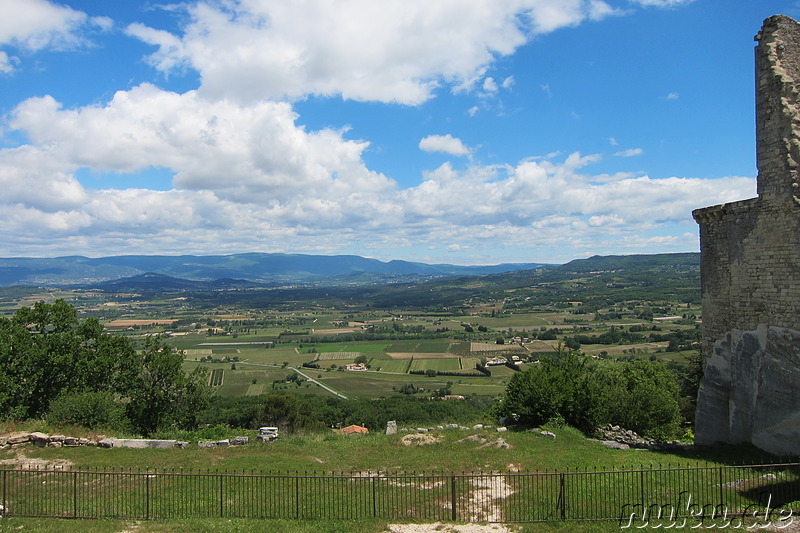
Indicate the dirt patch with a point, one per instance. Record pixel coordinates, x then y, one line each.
333 331
483 442
419 439
484 500
451 528
21 462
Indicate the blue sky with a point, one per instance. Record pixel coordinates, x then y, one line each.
454 131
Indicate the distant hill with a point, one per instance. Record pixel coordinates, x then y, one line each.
595 281
235 269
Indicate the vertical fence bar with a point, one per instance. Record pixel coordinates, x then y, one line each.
563 497
147 497
453 499
374 503
297 497
75 494
221 498
641 484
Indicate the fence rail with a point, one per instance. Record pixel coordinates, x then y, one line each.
633 496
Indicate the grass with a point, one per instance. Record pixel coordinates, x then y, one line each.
331 452
59 525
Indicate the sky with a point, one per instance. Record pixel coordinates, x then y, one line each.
446 131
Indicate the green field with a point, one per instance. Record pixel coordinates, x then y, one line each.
441 364
399 366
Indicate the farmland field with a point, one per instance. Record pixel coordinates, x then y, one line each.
420 346
435 364
399 366
336 356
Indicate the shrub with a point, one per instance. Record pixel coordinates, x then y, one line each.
89 409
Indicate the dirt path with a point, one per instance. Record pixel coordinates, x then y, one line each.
451 528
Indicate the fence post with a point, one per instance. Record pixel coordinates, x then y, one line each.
562 496
453 496
5 492
721 488
75 494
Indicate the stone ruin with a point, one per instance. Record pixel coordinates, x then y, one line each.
750 270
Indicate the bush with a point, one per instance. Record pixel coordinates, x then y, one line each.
88 409
641 396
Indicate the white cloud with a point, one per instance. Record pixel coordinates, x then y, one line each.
242 153
632 152
662 3
673 96
34 25
388 51
443 143
6 63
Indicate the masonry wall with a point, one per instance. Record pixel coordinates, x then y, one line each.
750 270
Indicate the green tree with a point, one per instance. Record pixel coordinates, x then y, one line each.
642 396
558 388
291 413
46 351
161 394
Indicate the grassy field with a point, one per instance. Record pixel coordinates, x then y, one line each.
435 364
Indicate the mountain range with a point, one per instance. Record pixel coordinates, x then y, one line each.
247 269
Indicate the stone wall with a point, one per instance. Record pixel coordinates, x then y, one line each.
750 270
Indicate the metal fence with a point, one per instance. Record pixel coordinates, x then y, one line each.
764 492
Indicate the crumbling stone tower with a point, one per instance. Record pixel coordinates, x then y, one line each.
750 269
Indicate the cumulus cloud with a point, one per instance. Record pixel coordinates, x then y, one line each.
443 143
389 51
34 25
241 152
233 192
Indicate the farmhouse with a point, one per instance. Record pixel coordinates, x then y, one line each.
355 367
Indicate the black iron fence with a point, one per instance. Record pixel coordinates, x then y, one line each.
663 495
